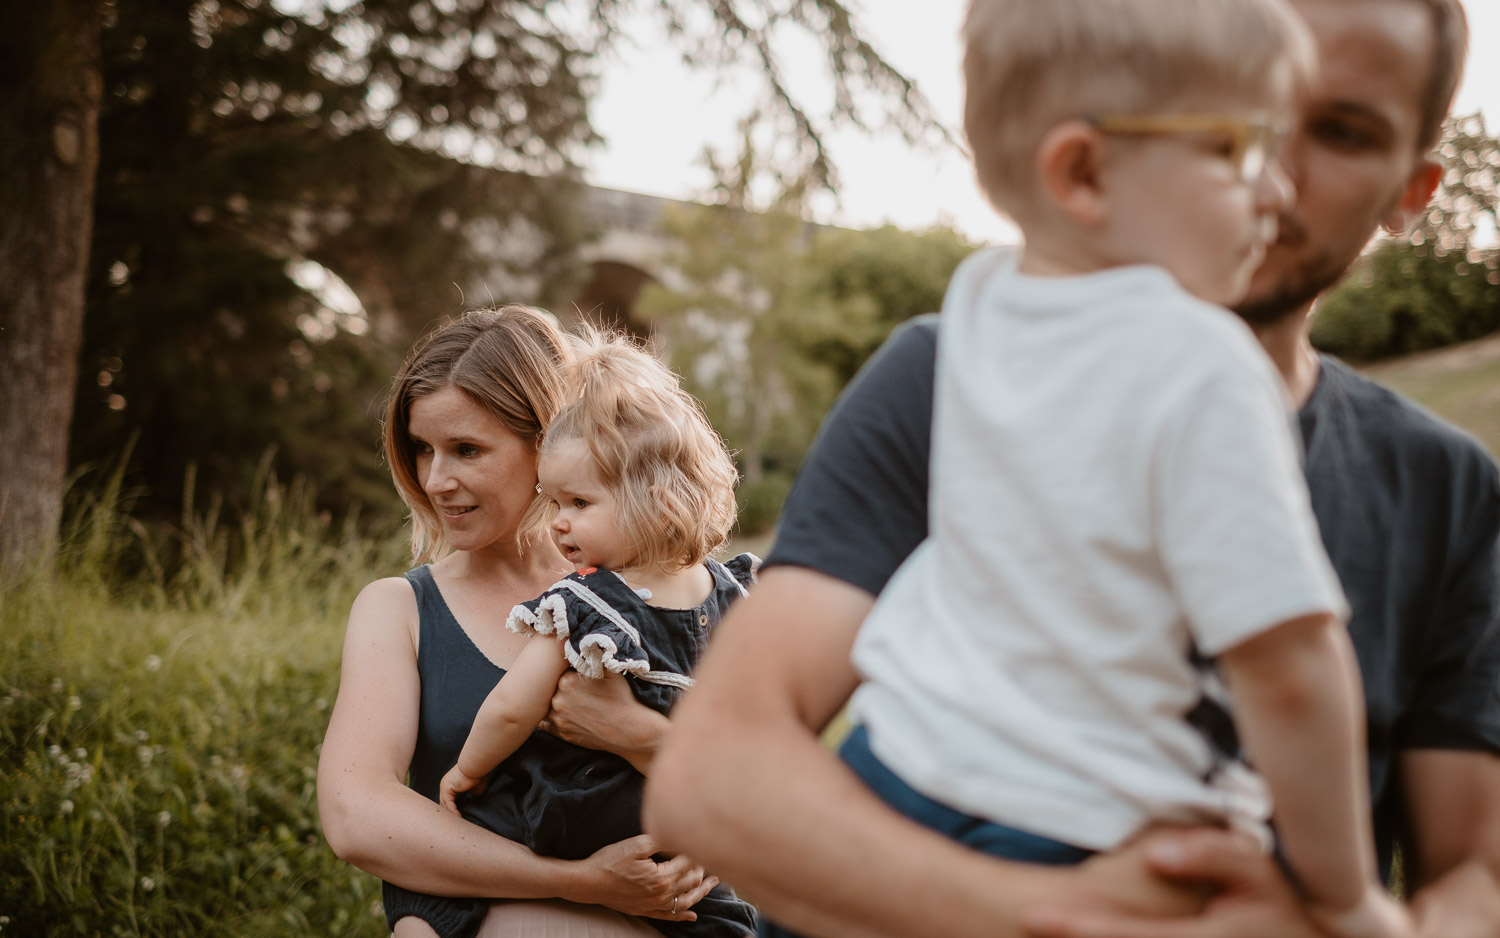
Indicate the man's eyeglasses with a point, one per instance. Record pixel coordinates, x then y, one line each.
1254 138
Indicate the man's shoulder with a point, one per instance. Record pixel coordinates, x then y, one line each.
915 338
1402 428
896 384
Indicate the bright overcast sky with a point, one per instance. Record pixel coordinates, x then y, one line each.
656 117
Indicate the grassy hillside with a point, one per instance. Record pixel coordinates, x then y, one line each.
1461 383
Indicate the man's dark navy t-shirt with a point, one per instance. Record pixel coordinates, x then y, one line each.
1408 507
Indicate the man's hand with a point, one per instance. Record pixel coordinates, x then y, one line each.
1250 897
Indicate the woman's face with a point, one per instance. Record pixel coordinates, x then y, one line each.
479 476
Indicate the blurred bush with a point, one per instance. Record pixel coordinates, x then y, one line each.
760 503
1438 284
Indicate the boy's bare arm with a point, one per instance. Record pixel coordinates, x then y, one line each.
1300 711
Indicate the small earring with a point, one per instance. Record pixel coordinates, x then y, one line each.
539 488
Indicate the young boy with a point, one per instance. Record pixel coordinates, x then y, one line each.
1116 496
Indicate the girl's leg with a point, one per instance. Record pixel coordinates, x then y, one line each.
554 918
413 927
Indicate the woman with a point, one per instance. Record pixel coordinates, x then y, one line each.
421 652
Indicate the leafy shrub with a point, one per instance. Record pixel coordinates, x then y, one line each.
1403 298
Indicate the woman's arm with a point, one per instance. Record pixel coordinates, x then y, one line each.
371 819
508 716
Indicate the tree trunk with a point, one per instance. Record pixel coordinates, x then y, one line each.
50 86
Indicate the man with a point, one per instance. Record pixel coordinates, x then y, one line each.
1410 512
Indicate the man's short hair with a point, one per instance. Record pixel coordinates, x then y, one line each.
1030 64
1450 29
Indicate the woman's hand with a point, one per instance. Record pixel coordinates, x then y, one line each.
603 714
455 783
625 878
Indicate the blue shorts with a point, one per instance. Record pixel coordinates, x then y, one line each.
997 840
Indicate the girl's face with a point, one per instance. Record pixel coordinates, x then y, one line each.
478 475
586 525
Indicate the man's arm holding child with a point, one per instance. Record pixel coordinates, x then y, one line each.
1452 861
744 784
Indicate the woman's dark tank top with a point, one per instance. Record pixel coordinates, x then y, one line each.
455 676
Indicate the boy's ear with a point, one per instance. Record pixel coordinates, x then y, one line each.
1069 162
1420 186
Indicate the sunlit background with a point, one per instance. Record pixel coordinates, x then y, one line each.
656 116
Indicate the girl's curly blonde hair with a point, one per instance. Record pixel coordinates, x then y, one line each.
653 446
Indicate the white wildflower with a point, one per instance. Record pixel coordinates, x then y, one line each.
145 754
147 884
66 807
153 663
56 685
164 818
81 753
141 736
75 703
55 751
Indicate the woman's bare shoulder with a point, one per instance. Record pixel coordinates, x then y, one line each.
391 589
384 606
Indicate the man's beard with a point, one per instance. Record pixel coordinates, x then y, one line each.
1299 286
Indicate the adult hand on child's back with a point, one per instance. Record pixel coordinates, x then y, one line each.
603 714
1249 897
628 880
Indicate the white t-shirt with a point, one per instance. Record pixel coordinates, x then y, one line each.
1114 483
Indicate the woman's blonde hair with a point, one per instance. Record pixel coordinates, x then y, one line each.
507 360
654 449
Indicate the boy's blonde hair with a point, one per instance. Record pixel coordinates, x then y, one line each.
509 361
1031 64
654 448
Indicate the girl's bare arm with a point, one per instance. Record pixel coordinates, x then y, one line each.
508 715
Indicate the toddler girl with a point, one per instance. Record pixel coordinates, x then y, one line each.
642 492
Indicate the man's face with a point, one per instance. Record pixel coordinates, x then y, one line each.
1354 156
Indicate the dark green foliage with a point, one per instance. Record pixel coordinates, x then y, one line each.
238 140
880 278
760 502
1405 298
424 152
1440 284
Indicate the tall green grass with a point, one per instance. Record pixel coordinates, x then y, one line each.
162 697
